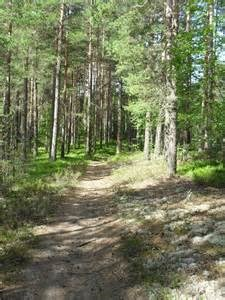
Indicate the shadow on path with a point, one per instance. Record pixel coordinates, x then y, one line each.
77 256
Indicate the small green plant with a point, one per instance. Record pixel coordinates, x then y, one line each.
205 172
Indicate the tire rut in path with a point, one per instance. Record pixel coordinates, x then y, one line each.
77 255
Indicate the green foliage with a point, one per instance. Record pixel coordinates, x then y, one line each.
32 194
14 245
205 172
133 46
30 197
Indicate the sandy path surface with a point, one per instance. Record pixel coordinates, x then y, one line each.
77 256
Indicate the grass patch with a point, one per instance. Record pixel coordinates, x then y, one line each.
126 158
30 197
135 169
14 245
32 194
108 153
104 153
205 172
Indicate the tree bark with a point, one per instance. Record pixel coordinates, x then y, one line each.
64 104
209 80
147 135
171 99
89 94
188 84
25 112
7 100
69 135
35 118
158 137
53 150
119 121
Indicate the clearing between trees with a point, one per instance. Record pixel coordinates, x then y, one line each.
120 234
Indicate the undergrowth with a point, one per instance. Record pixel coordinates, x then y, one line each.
135 169
206 172
29 196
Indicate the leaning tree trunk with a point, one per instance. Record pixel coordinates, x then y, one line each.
53 150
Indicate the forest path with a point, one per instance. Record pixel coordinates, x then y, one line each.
77 255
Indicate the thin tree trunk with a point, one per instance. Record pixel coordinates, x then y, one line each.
64 104
63 136
53 150
119 121
35 118
105 107
89 95
17 121
109 123
70 124
147 135
209 78
24 113
30 121
7 101
188 83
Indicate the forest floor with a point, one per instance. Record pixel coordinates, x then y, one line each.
126 231
77 255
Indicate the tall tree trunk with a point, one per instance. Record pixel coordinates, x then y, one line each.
89 94
64 104
109 123
17 121
105 106
53 150
119 121
209 79
101 90
25 112
69 137
35 114
7 100
188 84
30 118
171 99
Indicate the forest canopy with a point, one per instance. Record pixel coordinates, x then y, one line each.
147 74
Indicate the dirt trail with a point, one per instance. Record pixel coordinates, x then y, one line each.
77 256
